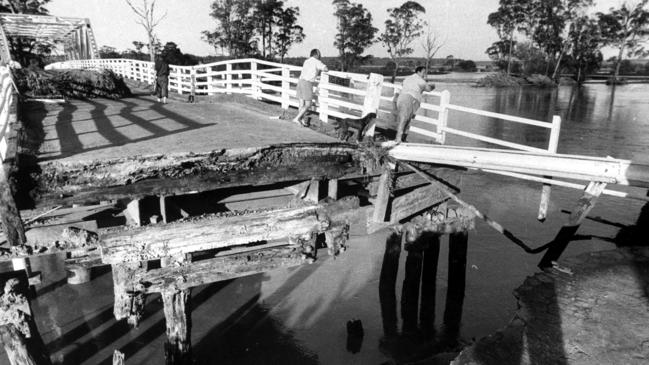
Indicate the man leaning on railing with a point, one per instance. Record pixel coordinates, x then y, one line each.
312 66
409 99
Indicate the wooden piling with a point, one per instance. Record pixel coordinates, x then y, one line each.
382 197
178 320
129 302
332 189
118 358
18 331
9 214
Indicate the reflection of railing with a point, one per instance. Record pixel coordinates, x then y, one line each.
351 97
6 98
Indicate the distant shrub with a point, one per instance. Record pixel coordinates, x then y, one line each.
499 80
541 81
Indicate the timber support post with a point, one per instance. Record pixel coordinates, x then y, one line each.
382 197
9 214
178 320
18 332
129 302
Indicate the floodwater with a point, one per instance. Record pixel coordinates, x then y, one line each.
299 316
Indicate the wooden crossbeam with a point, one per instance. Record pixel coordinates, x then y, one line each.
219 231
192 274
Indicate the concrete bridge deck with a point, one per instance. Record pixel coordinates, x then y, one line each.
82 130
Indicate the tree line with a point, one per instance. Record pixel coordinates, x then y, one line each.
552 36
267 29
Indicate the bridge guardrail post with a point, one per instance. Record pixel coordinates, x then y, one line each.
372 99
286 85
323 94
228 78
192 73
254 80
444 100
553 145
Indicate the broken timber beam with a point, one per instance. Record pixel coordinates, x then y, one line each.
191 274
220 231
139 176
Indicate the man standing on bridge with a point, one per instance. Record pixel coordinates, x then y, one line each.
310 70
162 78
409 99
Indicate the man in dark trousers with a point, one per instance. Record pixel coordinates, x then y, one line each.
162 78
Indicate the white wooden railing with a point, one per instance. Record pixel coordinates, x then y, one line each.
276 82
6 99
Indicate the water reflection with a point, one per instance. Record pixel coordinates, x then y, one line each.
419 338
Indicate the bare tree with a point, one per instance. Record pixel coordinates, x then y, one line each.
148 20
431 43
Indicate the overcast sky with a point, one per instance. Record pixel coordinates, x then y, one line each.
461 22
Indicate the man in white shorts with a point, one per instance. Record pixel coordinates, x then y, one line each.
312 66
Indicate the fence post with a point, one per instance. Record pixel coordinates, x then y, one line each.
228 78
372 98
192 72
442 117
552 148
254 80
286 85
323 94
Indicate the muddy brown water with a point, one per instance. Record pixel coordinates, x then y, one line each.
299 316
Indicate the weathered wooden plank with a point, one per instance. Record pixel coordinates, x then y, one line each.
218 231
205 234
189 275
134 177
415 201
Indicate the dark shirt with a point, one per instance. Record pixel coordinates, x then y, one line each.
161 68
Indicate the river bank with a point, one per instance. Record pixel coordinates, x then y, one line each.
592 311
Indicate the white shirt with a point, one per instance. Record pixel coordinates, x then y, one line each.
414 85
310 69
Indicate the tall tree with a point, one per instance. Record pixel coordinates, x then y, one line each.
626 29
355 32
235 30
431 44
148 20
266 15
23 48
511 16
401 28
288 31
584 53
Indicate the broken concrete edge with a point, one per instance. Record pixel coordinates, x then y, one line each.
555 337
138 176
